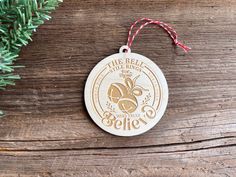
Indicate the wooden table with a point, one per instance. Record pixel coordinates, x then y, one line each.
48 132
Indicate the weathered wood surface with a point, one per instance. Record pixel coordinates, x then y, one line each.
47 131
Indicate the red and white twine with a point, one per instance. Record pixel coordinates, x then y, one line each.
165 26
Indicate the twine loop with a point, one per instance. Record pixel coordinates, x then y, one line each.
172 33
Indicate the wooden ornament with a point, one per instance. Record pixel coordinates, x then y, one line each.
126 94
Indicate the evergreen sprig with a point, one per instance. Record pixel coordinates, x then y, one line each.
18 20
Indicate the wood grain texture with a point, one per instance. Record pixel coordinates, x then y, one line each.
48 132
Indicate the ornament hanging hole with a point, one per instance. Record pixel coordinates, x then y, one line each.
125 49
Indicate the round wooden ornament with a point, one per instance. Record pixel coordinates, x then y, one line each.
126 94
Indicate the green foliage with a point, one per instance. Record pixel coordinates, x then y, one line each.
18 20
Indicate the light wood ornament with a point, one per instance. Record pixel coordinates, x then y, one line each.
126 94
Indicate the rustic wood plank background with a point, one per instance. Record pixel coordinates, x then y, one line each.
47 131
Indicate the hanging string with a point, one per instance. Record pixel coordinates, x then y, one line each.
165 26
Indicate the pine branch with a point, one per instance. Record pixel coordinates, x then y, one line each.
18 20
